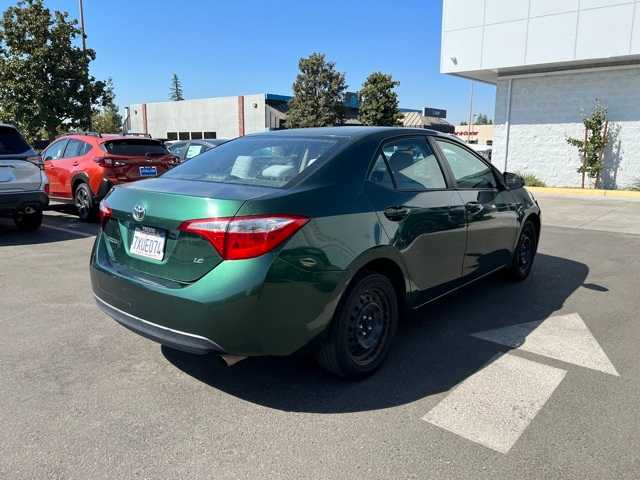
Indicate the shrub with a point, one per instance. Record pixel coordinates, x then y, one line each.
530 180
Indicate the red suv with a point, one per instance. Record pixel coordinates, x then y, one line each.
83 167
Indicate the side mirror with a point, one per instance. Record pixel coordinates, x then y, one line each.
513 181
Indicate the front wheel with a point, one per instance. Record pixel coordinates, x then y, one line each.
83 200
525 252
28 222
362 329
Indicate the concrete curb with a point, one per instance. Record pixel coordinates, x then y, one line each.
579 192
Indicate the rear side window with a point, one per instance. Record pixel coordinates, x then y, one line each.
135 147
76 148
414 165
468 170
380 173
265 161
11 142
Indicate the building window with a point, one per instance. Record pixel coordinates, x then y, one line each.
489 142
172 135
211 135
196 135
183 135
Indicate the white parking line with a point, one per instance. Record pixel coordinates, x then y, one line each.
67 230
564 337
494 406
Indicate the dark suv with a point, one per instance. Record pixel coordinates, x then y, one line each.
82 167
23 183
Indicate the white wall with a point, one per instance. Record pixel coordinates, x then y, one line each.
545 110
218 115
494 34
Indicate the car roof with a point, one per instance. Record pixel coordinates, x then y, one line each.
349 131
105 137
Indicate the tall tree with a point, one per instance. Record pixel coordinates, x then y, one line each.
108 119
175 91
318 94
483 119
379 101
44 82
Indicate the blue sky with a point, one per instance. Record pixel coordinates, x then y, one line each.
221 47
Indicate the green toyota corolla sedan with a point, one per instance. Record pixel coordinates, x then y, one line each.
316 238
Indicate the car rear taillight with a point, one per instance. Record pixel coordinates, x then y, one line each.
109 162
104 213
245 237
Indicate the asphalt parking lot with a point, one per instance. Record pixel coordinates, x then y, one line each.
533 380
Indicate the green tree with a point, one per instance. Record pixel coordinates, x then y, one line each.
175 91
483 119
45 86
108 119
593 145
379 101
318 94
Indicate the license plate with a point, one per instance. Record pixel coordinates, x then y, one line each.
148 171
148 242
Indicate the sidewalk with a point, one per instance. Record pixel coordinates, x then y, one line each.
585 193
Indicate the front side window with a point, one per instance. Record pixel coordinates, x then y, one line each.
256 160
414 165
55 151
468 170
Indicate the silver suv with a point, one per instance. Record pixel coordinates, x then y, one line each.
23 183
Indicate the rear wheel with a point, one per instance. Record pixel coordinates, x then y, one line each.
525 252
28 220
362 329
83 200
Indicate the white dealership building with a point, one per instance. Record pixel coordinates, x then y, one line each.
550 61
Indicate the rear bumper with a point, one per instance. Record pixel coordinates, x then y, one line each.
166 336
12 202
261 306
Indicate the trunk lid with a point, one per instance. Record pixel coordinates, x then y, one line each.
129 159
166 204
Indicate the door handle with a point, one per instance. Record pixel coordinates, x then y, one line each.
396 214
474 207
76 163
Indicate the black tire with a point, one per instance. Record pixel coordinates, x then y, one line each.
84 203
28 222
362 329
525 253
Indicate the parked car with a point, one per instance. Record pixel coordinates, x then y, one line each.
311 237
82 167
23 183
186 150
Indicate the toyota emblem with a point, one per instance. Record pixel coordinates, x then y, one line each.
138 213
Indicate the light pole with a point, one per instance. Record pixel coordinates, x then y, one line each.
86 68
470 112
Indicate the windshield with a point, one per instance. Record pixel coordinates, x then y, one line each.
135 147
11 142
270 161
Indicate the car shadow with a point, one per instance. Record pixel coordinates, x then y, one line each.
432 352
55 228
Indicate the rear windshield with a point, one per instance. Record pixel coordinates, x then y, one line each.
135 147
270 161
11 142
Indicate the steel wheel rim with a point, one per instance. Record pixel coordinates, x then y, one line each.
369 323
525 250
